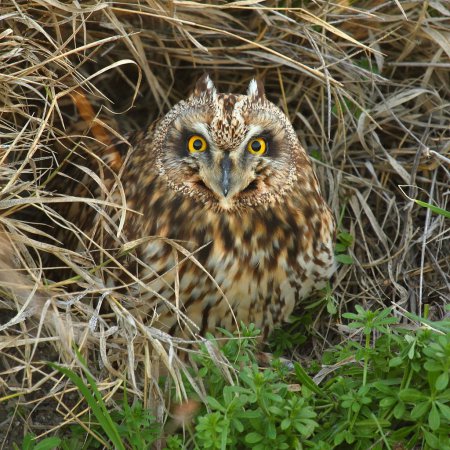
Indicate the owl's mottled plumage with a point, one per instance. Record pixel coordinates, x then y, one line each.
260 233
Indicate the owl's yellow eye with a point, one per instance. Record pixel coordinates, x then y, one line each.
197 144
257 146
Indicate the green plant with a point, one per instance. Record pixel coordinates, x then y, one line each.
260 413
347 105
298 330
344 240
395 396
392 389
174 443
370 321
138 426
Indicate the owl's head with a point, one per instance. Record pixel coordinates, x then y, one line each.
229 151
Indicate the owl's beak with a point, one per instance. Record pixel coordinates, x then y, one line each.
226 171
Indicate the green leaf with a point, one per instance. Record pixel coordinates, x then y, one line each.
442 381
434 419
395 362
431 439
331 307
251 414
345 237
340 248
419 410
285 424
316 154
343 258
356 407
306 380
271 431
385 387
238 425
48 444
349 315
215 404
349 437
399 410
28 442
445 410
276 410
435 209
411 395
372 423
223 443
388 401
253 438
386 321
433 366
412 351
443 325
339 438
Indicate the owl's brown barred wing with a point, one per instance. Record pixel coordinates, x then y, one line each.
118 150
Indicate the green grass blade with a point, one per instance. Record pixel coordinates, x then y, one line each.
95 404
93 385
442 326
306 380
435 209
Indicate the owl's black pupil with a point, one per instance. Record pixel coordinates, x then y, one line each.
197 144
256 146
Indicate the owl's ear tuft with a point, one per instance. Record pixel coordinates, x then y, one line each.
255 90
204 87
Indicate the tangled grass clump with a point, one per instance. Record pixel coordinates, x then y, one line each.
365 84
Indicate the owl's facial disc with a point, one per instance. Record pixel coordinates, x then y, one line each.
234 150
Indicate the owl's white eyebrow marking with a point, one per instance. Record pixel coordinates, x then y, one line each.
254 130
202 129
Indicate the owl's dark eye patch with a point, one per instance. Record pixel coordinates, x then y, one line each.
189 142
272 148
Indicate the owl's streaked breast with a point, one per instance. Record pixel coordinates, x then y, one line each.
252 268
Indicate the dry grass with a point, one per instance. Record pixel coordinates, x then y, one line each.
366 85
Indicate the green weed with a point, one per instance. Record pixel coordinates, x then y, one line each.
344 241
393 388
390 389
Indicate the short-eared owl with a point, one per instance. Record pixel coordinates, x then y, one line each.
225 177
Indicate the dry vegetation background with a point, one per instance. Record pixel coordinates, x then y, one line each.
366 85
